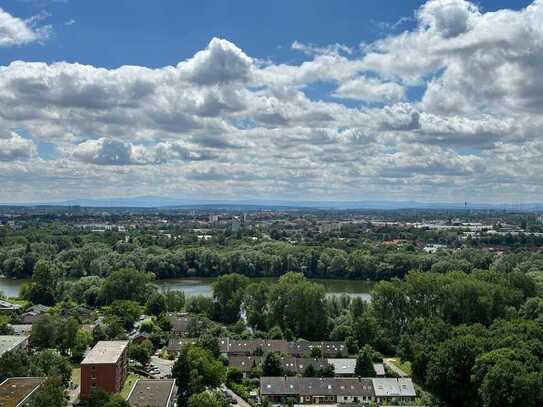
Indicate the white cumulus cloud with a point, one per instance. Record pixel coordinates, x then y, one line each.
14 31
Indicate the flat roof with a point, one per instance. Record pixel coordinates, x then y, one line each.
9 342
15 390
105 352
151 393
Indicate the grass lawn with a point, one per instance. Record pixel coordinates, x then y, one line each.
405 366
129 383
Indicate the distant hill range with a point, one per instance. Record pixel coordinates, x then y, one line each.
161 202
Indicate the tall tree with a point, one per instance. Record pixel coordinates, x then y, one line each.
450 366
45 332
299 305
50 394
195 370
126 284
364 362
272 365
228 291
256 305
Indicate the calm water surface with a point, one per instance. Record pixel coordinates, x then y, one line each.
202 286
11 287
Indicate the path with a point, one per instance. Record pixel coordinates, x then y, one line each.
390 364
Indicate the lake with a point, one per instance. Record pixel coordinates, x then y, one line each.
202 286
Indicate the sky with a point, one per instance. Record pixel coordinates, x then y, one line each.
351 100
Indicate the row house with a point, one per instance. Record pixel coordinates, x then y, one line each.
337 390
291 365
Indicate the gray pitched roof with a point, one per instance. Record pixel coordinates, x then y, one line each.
250 346
343 366
390 387
310 386
288 363
176 344
179 321
328 348
379 369
8 306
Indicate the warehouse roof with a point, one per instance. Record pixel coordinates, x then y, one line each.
151 393
16 390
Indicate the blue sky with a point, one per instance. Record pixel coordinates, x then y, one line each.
109 33
306 99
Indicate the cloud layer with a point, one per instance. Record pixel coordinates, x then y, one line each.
224 124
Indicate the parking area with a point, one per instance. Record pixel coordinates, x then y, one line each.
163 367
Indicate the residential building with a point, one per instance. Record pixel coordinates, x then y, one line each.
104 367
6 306
340 390
9 343
176 344
289 364
247 347
343 367
311 390
18 391
153 393
379 369
393 390
330 227
327 348
179 321
246 364
33 313
138 336
21 329
235 224
433 248
257 347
